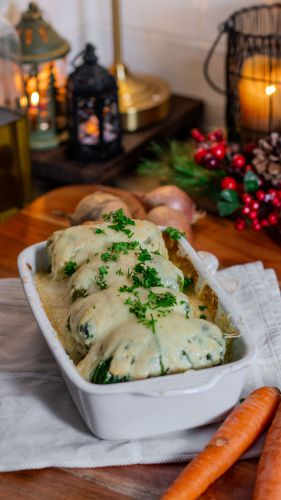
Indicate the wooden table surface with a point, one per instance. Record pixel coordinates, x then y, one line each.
137 482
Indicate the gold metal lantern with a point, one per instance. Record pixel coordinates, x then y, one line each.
44 68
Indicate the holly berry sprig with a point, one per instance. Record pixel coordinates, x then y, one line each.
261 210
243 191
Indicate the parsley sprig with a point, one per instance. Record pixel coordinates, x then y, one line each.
115 249
144 255
120 222
123 247
100 278
173 233
145 276
161 303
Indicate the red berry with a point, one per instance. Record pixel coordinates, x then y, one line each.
229 183
254 204
240 224
218 134
247 198
245 210
260 195
279 194
238 161
264 223
218 150
248 167
273 219
252 214
276 202
200 155
211 162
272 192
256 225
211 137
196 134
201 138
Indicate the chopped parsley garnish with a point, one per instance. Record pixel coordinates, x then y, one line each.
142 310
150 323
106 256
119 222
156 300
144 255
79 293
70 268
116 248
202 308
100 279
99 231
126 288
156 252
123 246
148 276
137 307
187 282
119 272
203 316
173 233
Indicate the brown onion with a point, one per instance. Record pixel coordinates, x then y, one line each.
93 206
173 197
167 216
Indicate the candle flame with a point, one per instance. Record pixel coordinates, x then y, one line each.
270 89
23 101
34 98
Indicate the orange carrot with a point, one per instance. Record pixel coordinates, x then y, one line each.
240 429
268 483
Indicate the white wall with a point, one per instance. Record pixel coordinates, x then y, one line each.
165 37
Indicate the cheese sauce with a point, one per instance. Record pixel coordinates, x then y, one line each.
118 307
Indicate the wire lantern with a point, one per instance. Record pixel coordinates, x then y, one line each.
252 72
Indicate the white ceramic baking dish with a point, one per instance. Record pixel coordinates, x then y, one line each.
157 405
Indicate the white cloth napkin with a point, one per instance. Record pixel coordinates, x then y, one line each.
39 424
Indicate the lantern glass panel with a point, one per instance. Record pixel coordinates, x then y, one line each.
46 97
110 119
87 121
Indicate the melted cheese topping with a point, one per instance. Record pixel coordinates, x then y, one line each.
121 315
80 243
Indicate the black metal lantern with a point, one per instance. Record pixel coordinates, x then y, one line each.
94 120
253 72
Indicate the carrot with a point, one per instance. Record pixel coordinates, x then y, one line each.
268 483
240 429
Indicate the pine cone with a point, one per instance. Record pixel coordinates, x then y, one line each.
267 159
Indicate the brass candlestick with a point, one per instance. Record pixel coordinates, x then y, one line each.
143 99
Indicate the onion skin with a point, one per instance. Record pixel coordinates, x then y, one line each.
167 216
93 206
171 196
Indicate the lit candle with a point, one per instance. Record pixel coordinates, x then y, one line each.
260 94
33 109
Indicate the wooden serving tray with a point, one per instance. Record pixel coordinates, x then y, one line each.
66 198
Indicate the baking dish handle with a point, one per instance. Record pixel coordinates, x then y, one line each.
195 385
